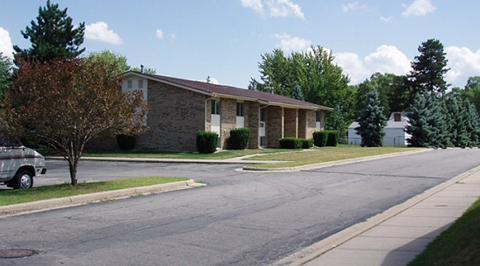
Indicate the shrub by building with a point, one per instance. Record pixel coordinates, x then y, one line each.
207 141
239 138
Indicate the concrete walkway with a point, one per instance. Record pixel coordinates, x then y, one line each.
396 236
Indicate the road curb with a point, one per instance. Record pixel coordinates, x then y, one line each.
95 197
316 250
333 163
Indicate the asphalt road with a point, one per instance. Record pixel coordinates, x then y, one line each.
240 218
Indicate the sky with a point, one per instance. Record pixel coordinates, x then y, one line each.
225 39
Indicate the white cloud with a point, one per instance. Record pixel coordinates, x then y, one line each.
418 8
159 34
353 66
173 36
386 19
463 63
353 6
99 32
292 44
386 59
275 8
6 46
253 4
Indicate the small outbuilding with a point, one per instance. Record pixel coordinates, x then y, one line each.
395 134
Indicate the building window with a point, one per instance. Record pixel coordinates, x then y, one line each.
239 109
215 107
318 116
129 84
262 114
140 84
397 117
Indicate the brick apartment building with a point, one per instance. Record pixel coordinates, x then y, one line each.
179 108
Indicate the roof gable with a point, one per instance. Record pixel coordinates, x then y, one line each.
230 92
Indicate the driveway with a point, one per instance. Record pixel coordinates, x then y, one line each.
240 218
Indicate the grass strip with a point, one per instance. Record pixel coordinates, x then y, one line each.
324 154
458 245
8 197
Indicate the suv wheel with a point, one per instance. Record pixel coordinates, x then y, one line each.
23 180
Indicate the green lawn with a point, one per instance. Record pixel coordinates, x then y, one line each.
324 154
8 197
458 245
227 154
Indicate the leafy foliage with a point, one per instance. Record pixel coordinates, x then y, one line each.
65 103
321 81
5 76
372 121
52 36
115 62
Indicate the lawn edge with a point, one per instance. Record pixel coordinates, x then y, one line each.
334 163
95 197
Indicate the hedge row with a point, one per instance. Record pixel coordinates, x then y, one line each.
295 143
326 138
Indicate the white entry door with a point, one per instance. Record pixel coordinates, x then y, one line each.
261 134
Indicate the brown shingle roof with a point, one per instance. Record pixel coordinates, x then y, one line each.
228 91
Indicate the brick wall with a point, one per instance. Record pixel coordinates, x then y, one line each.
228 120
274 127
291 123
252 120
302 123
311 123
174 118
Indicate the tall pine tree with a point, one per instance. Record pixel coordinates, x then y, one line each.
429 69
52 36
372 121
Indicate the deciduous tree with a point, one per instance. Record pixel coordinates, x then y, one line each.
320 79
66 103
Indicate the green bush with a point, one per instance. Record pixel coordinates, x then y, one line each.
291 143
333 137
239 138
320 138
207 141
126 142
307 143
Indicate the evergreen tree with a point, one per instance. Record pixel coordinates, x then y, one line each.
473 124
427 125
459 135
297 93
52 36
429 69
372 121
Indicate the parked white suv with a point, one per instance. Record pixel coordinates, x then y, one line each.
19 164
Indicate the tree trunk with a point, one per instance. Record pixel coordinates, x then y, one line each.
72 164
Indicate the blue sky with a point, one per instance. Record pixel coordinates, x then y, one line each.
224 39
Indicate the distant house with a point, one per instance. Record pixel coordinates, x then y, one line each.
395 134
179 108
